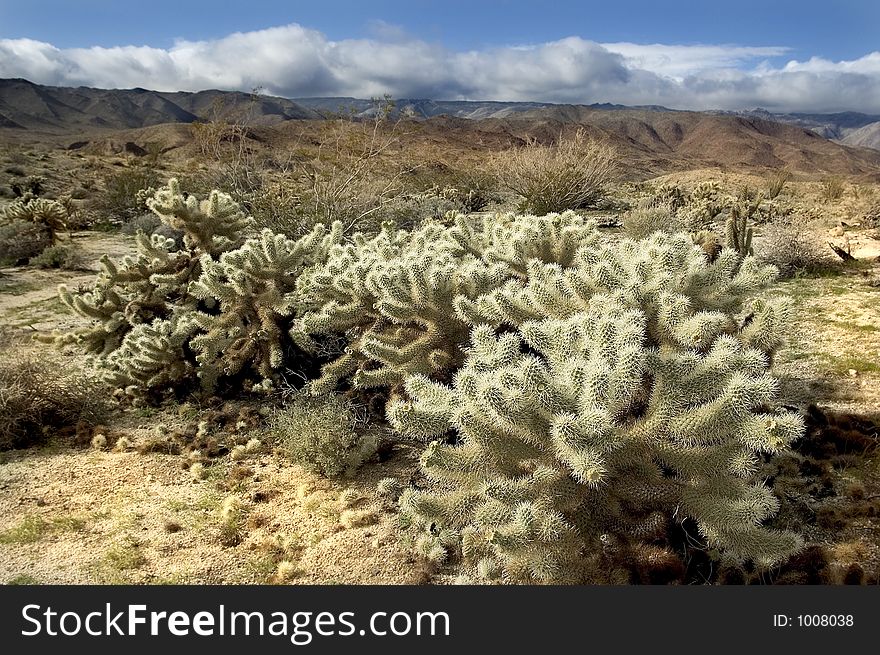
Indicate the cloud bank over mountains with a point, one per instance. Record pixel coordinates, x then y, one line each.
294 61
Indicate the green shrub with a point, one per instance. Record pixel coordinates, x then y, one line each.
643 221
572 174
323 435
22 240
120 200
60 256
146 223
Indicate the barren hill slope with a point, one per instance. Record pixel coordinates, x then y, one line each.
653 140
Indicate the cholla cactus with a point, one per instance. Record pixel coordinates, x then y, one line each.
211 226
250 296
703 205
153 283
737 232
668 196
216 307
49 214
630 393
518 240
393 294
134 291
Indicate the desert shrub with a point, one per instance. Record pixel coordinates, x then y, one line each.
468 194
573 174
323 434
357 197
408 210
120 200
790 247
182 315
276 206
833 188
40 395
22 240
599 404
146 223
60 256
776 182
871 217
644 220
226 141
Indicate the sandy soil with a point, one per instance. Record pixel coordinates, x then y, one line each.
90 516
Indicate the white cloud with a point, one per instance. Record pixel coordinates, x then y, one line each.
678 61
293 61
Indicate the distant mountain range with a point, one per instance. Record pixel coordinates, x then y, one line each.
653 139
851 128
30 106
414 108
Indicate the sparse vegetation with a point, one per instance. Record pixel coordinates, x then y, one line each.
794 250
644 220
324 435
126 192
776 182
530 351
22 240
60 256
833 188
572 174
41 398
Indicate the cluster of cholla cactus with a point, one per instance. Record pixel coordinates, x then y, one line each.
695 209
575 393
392 295
212 307
598 403
250 293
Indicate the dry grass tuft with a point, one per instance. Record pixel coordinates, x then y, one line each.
573 174
39 396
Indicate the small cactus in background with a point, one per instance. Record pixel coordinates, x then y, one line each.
50 215
738 233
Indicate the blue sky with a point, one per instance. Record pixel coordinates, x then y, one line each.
784 55
839 30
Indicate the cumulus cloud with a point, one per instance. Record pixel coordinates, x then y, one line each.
295 61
